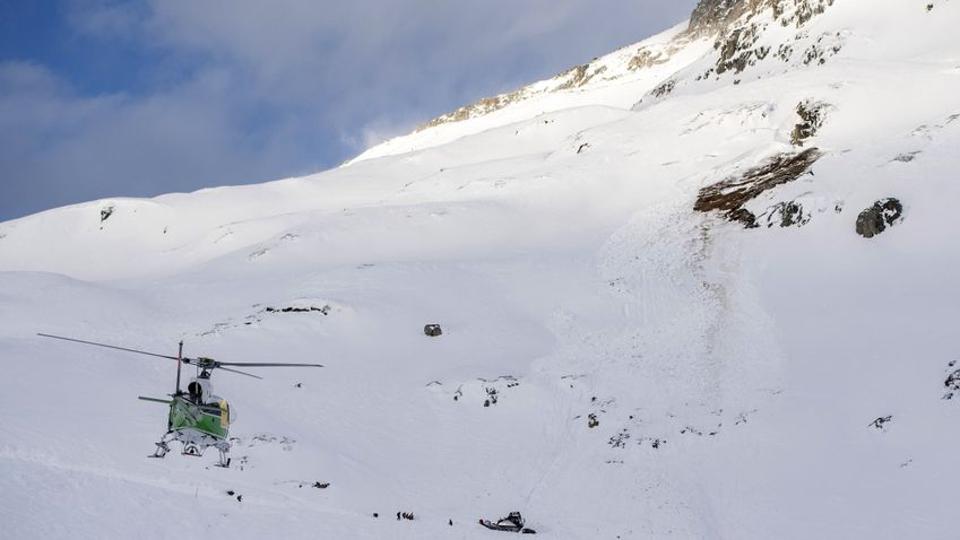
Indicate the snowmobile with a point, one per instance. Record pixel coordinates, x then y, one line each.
512 523
198 418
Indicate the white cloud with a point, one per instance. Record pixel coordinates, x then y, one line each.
254 90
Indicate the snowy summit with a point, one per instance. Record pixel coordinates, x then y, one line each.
701 287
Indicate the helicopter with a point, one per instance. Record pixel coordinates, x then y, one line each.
198 418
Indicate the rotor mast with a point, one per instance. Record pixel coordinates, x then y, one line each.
179 365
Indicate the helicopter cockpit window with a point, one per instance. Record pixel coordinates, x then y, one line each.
211 409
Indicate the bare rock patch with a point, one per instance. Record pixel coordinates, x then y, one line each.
874 220
729 196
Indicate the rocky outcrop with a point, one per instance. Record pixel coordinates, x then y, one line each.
299 309
733 24
729 196
952 382
785 214
874 220
715 15
812 116
644 58
712 15
738 51
478 108
579 76
664 88
737 27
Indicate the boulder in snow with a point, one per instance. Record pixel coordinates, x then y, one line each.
105 213
877 218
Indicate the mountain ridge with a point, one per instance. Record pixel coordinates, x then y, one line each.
729 25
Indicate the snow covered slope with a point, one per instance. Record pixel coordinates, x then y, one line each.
614 80
662 316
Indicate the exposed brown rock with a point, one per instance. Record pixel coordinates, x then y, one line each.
579 76
729 196
478 108
711 16
645 58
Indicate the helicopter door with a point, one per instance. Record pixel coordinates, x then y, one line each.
226 417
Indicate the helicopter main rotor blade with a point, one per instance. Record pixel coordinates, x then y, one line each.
240 372
155 400
266 364
108 346
203 363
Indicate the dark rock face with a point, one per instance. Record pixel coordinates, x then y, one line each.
812 115
738 26
876 219
299 309
786 214
710 14
738 51
907 157
744 216
664 88
432 330
952 382
729 196
105 213
715 14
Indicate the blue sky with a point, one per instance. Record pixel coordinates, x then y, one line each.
137 98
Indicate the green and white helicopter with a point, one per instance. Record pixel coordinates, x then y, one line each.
198 418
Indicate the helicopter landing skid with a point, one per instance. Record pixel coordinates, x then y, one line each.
161 450
223 448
